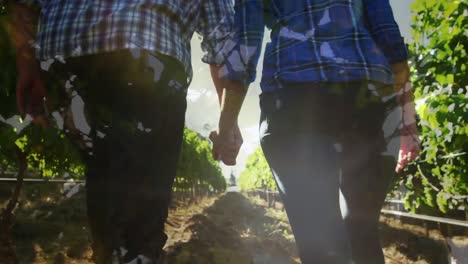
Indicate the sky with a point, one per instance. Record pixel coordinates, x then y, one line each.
203 110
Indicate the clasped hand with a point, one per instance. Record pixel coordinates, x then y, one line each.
227 142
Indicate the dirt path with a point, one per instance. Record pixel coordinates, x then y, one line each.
408 242
229 229
232 231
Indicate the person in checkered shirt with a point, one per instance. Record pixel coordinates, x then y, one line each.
338 115
125 66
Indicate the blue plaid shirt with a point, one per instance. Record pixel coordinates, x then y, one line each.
314 41
70 28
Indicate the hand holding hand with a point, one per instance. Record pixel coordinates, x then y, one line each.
227 143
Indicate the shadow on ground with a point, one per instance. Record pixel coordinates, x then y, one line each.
49 228
407 246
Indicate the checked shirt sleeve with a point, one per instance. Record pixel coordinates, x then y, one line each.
215 27
242 54
385 31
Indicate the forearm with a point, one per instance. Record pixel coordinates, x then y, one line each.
228 139
405 95
233 98
22 28
218 82
231 94
401 76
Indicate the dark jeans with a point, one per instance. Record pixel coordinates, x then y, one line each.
125 111
332 149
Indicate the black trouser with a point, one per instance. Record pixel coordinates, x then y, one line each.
330 145
130 134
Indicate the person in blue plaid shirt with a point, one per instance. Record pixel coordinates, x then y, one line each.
338 117
125 68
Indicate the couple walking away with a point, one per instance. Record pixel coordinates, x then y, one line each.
337 109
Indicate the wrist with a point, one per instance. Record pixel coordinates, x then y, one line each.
404 93
410 130
401 66
227 122
401 73
406 98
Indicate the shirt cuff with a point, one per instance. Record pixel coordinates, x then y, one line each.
396 51
30 2
210 58
246 77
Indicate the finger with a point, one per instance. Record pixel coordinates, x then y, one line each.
401 155
229 155
408 157
216 155
229 158
213 136
216 152
398 169
236 143
401 161
414 155
229 161
400 166
229 148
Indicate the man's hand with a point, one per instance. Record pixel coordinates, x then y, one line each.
226 143
31 92
409 141
228 140
30 89
409 147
